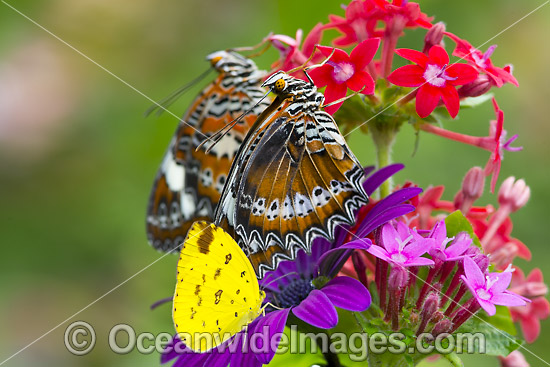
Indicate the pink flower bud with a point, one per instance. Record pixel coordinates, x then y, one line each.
503 255
481 85
434 36
443 326
514 359
472 189
513 194
482 261
398 278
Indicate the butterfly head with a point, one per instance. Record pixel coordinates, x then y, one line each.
285 85
228 61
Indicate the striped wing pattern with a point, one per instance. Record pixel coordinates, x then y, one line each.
294 179
189 183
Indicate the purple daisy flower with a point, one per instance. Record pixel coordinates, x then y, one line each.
291 287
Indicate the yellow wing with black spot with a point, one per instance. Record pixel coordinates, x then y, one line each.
217 292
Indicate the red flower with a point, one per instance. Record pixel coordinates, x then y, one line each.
497 144
529 316
409 11
435 78
482 61
290 54
343 71
359 23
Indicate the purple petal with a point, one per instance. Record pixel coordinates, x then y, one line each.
217 358
473 273
507 299
317 310
370 223
368 170
269 325
347 293
332 260
243 356
376 179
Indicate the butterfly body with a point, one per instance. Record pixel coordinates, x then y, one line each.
189 182
217 292
294 178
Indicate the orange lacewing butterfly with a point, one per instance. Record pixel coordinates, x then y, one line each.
294 178
189 182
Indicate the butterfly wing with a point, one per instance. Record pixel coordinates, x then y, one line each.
189 182
217 292
297 180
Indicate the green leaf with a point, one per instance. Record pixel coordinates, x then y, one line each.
501 320
456 222
490 340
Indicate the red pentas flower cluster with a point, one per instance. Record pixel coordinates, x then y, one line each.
433 80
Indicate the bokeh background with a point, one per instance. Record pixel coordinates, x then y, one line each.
77 156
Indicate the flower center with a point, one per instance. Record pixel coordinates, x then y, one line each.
342 71
436 75
398 257
483 294
294 293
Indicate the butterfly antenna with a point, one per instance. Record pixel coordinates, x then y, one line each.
304 65
166 102
161 302
255 47
344 98
216 137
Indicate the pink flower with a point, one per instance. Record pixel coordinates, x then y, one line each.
289 48
434 77
402 246
529 317
514 359
482 61
343 71
455 251
490 290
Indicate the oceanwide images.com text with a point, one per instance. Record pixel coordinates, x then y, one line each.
80 339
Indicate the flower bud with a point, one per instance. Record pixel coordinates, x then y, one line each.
399 277
513 194
482 261
514 359
443 326
481 85
434 36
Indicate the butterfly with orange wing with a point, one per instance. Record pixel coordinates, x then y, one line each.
189 182
294 178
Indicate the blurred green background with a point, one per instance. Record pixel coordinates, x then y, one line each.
77 156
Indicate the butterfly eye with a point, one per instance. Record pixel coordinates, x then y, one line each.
215 60
280 85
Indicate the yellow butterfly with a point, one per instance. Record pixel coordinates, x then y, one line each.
217 294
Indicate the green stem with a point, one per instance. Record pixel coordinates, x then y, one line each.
383 137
